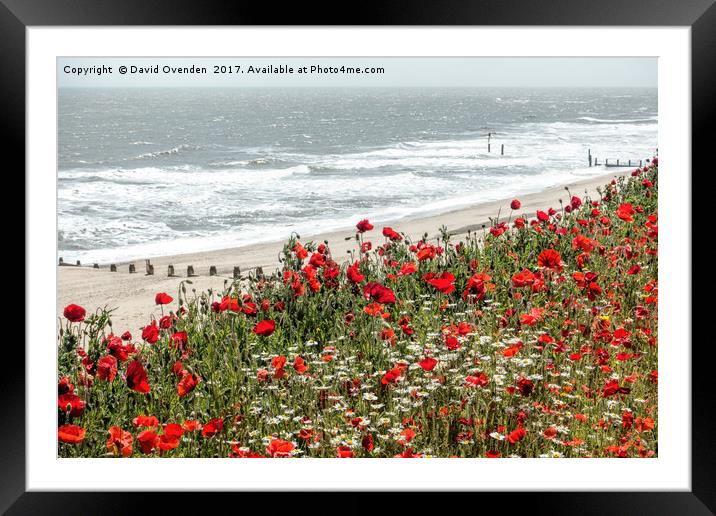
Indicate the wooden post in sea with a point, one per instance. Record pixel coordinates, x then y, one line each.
170 271
113 268
237 272
78 263
96 265
190 271
589 153
502 150
212 270
62 262
132 268
149 267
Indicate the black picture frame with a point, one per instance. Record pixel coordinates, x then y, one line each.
700 15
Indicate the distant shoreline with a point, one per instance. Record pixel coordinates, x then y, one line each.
133 294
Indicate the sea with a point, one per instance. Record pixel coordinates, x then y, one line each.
146 172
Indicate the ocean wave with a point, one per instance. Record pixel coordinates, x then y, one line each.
166 152
617 120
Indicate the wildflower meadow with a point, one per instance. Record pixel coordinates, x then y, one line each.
533 337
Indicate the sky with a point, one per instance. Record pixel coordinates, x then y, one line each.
450 72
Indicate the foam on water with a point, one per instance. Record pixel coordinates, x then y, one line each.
267 164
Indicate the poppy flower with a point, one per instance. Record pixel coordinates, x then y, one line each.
476 380
524 278
137 377
428 363
388 232
550 259
146 421
378 293
163 298
71 404
515 204
626 212
444 283
107 368
213 427
150 333
344 452
364 226
301 252
72 434
516 435
74 313
299 364
265 328
188 383
119 442
279 448
147 441
391 376
353 273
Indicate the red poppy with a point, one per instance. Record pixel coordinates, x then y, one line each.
279 448
301 252
516 435
107 368
71 404
378 293
74 313
550 259
428 363
147 441
345 452
477 380
188 383
626 212
150 333
163 298
391 376
137 377
364 226
119 442
265 328
515 204
299 364
524 278
213 427
72 434
445 283
353 273
146 421
391 234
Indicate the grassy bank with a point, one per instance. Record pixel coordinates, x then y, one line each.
534 337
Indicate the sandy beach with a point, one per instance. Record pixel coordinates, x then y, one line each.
132 295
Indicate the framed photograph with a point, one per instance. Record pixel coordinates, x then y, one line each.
459 234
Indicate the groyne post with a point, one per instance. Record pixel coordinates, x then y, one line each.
170 271
62 262
260 272
113 268
78 263
96 266
149 267
212 270
132 268
190 271
237 272
589 154
502 150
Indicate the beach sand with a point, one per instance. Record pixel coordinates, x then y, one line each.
132 295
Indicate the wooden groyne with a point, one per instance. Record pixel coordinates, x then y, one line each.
611 162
